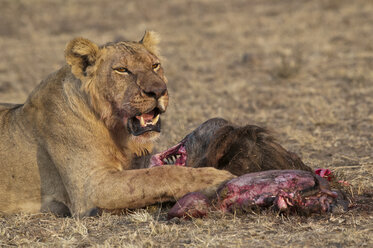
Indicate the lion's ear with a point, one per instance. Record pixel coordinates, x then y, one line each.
150 41
81 53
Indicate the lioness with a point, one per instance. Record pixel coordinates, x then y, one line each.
71 147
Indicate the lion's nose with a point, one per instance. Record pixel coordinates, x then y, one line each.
155 90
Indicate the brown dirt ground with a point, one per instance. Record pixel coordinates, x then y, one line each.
300 68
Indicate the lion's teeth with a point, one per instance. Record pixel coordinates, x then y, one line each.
155 120
142 122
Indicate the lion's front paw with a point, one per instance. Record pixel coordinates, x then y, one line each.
213 179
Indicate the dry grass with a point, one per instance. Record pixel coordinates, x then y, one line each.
300 68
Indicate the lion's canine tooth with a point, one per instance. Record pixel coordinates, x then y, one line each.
142 122
155 120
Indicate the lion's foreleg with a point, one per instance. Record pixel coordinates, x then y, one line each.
138 188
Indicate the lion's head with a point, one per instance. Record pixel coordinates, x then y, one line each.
124 82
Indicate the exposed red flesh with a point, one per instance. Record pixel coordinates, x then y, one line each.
324 173
285 190
192 205
179 149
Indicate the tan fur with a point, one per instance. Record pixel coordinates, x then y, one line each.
67 148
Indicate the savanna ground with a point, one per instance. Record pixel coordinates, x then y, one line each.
303 69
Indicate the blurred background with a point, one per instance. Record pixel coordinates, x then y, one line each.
303 69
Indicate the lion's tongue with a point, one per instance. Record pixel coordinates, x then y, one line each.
147 116
144 123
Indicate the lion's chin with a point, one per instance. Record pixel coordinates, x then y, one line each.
145 124
146 137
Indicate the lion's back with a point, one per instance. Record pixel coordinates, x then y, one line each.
5 106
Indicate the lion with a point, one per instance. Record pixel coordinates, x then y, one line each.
74 145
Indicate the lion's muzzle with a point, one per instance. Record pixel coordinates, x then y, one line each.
151 85
154 92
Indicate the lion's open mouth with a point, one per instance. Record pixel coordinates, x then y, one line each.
145 122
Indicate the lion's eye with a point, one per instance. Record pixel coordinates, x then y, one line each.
156 66
121 70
